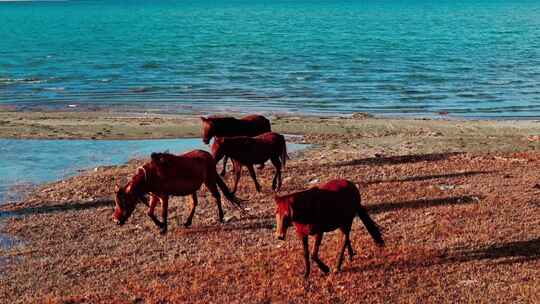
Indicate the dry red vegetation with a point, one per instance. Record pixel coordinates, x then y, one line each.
458 227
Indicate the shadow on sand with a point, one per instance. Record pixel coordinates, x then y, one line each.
424 203
393 160
266 223
67 206
428 177
504 253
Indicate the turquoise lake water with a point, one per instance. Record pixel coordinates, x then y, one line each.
470 58
26 163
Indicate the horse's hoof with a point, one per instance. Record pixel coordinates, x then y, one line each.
163 231
187 224
325 269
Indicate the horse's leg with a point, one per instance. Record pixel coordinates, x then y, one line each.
153 202
192 212
237 172
315 253
344 241
305 244
350 249
276 182
224 170
211 186
164 213
254 177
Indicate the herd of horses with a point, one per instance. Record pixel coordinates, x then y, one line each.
247 142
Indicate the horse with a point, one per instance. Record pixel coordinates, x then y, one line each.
247 151
320 209
251 125
165 175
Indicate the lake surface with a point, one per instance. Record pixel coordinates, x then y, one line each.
470 58
26 163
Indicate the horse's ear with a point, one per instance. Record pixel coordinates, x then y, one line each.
204 119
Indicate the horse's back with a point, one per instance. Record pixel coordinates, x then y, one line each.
328 205
270 140
340 192
195 164
262 123
256 149
251 125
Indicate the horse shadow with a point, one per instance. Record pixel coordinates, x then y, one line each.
424 203
428 177
504 253
513 252
236 226
52 208
394 160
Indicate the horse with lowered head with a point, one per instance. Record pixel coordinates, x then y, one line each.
251 125
320 209
166 175
248 151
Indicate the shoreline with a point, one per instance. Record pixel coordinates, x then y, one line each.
122 123
178 109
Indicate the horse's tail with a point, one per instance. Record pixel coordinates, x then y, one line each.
284 155
373 229
235 201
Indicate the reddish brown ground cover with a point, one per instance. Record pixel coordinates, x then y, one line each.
459 227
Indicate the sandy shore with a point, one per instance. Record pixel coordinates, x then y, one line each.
391 136
457 200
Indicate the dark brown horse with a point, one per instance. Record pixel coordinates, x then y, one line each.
248 151
167 175
251 125
321 209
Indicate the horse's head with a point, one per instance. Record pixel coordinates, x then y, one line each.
125 201
207 130
283 216
217 148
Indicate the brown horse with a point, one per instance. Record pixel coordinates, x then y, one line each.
251 125
320 209
167 175
247 151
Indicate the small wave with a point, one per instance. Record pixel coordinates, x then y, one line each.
426 77
58 89
150 65
31 80
142 89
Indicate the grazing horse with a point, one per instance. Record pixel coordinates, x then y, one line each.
251 125
247 151
320 209
166 175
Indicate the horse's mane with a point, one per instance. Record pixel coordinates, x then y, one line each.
160 158
301 195
222 121
302 204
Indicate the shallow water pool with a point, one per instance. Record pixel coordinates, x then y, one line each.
26 163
